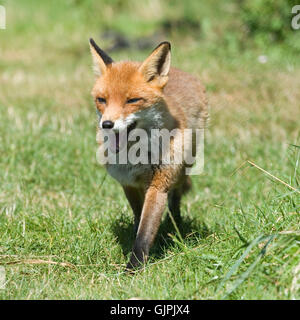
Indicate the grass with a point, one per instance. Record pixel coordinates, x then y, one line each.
66 227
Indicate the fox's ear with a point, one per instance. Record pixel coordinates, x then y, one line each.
100 58
157 65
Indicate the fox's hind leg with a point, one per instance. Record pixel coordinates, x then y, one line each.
174 198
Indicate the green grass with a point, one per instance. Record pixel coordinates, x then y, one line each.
240 232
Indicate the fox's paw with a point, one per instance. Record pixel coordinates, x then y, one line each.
136 262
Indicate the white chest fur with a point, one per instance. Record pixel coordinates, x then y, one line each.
129 174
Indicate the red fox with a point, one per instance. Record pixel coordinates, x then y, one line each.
148 95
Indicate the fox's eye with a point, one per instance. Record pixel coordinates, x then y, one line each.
101 100
133 100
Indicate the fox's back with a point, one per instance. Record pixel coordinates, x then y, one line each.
186 98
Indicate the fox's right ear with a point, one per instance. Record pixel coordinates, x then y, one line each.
100 58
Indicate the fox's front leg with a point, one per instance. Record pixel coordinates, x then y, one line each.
136 199
154 205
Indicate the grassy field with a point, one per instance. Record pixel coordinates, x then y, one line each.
66 227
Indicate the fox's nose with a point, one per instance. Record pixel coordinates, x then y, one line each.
107 124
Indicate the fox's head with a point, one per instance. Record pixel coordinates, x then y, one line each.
123 90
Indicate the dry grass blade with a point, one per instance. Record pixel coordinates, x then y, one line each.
294 232
40 261
175 226
271 175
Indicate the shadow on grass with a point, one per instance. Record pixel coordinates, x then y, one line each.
190 230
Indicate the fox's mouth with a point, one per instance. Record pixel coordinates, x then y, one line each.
121 138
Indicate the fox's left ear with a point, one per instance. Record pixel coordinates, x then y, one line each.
101 59
157 65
